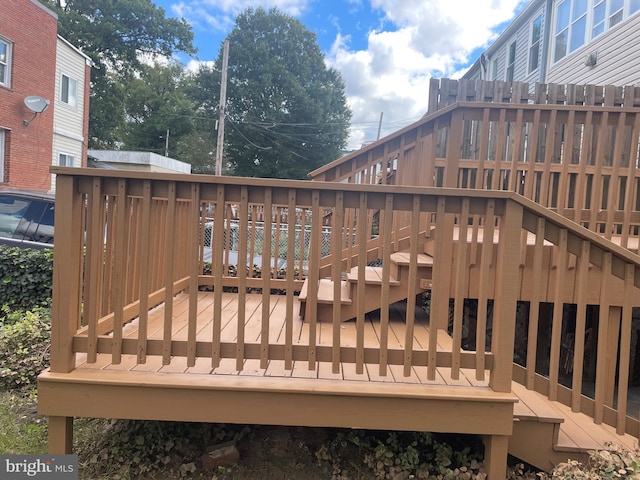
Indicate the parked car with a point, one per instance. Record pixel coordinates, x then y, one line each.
26 219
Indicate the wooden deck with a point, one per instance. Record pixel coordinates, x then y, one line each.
574 434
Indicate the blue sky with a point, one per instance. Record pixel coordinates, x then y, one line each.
386 50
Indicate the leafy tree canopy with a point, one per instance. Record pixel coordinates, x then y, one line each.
116 34
286 110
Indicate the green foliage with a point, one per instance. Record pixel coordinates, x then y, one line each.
420 455
22 432
613 462
286 111
155 103
135 448
24 346
25 277
116 35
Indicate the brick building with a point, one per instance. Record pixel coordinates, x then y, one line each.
31 64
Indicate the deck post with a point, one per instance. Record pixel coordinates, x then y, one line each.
507 293
60 435
495 456
67 277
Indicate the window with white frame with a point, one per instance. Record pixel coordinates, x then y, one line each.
577 22
66 160
2 135
511 62
69 90
5 62
534 48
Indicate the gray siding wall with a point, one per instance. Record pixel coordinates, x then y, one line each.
522 38
618 63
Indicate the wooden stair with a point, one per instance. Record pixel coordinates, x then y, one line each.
398 287
546 433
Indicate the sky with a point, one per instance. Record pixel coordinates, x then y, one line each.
386 50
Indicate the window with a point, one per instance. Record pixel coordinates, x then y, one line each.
580 21
5 63
66 160
494 69
511 62
534 49
68 90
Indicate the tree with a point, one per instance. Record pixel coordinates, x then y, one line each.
116 34
154 105
286 111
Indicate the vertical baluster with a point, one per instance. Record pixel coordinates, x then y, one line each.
440 289
625 347
386 223
581 180
534 135
336 276
596 189
241 273
217 267
314 264
291 245
169 253
566 161
534 306
362 237
558 307
266 277
145 290
486 262
629 205
460 288
120 265
194 239
94 266
412 288
614 179
582 278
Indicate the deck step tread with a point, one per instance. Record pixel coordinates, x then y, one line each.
533 406
372 276
404 259
325 292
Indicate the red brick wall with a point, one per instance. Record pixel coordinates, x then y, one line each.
28 150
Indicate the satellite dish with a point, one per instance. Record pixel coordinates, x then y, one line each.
36 103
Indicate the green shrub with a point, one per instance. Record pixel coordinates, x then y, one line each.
24 346
612 462
25 277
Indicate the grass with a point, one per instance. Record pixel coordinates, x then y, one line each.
22 431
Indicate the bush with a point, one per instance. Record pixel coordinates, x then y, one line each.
26 277
24 346
613 462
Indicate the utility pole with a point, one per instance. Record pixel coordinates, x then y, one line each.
166 144
380 126
223 101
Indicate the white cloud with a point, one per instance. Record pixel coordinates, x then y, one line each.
199 12
432 38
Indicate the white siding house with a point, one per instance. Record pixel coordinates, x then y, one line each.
70 107
567 41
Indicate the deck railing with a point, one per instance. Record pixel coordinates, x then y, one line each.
580 161
126 242
144 244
